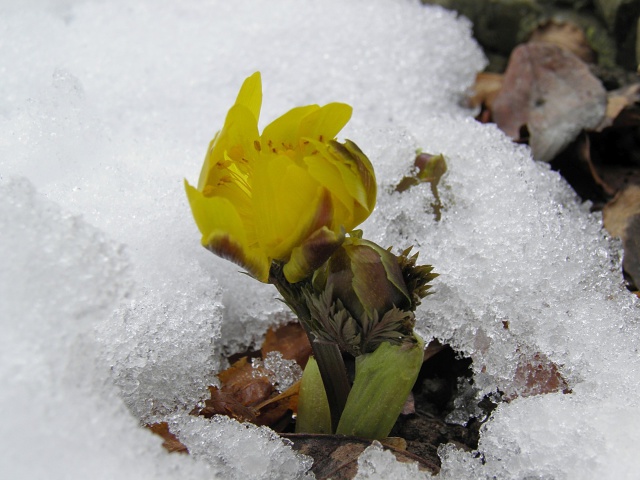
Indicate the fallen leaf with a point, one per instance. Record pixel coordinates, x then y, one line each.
621 217
432 349
623 107
246 392
272 410
577 167
567 35
248 385
290 340
398 443
486 89
171 442
552 93
409 406
619 211
336 456
536 374
222 403
631 261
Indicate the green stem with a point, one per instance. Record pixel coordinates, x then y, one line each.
328 356
334 378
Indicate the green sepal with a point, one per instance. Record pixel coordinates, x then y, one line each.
314 415
382 384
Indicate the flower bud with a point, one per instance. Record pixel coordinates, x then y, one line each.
365 295
365 277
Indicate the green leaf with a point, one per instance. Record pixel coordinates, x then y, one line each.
383 381
314 415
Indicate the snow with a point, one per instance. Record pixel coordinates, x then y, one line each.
113 315
282 373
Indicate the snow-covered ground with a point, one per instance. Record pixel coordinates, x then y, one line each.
113 315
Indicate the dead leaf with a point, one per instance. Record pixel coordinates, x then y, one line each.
336 456
289 394
619 211
577 167
486 89
246 392
433 349
537 375
409 406
250 386
272 410
398 443
222 403
171 442
567 35
290 340
623 107
552 93
621 217
631 261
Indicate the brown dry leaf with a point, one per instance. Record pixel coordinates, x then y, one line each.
615 178
336 456
619 211
398 443
272 410
290 340
247 394
566 35
171 442
409 406
238 369
249 386
578 168
623 107
552 94
246 397
222 403
621 217
433 349
537 375
290 395
631 262
485 89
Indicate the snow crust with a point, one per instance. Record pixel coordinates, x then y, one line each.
113 316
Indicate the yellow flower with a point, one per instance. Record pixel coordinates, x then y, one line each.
287 195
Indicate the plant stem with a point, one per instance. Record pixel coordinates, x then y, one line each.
328 356
334 377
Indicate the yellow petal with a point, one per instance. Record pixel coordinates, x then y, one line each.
347 173
250 94
283 133
285 202
325 168
365 174
225 246
325 123
224 233
236 141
